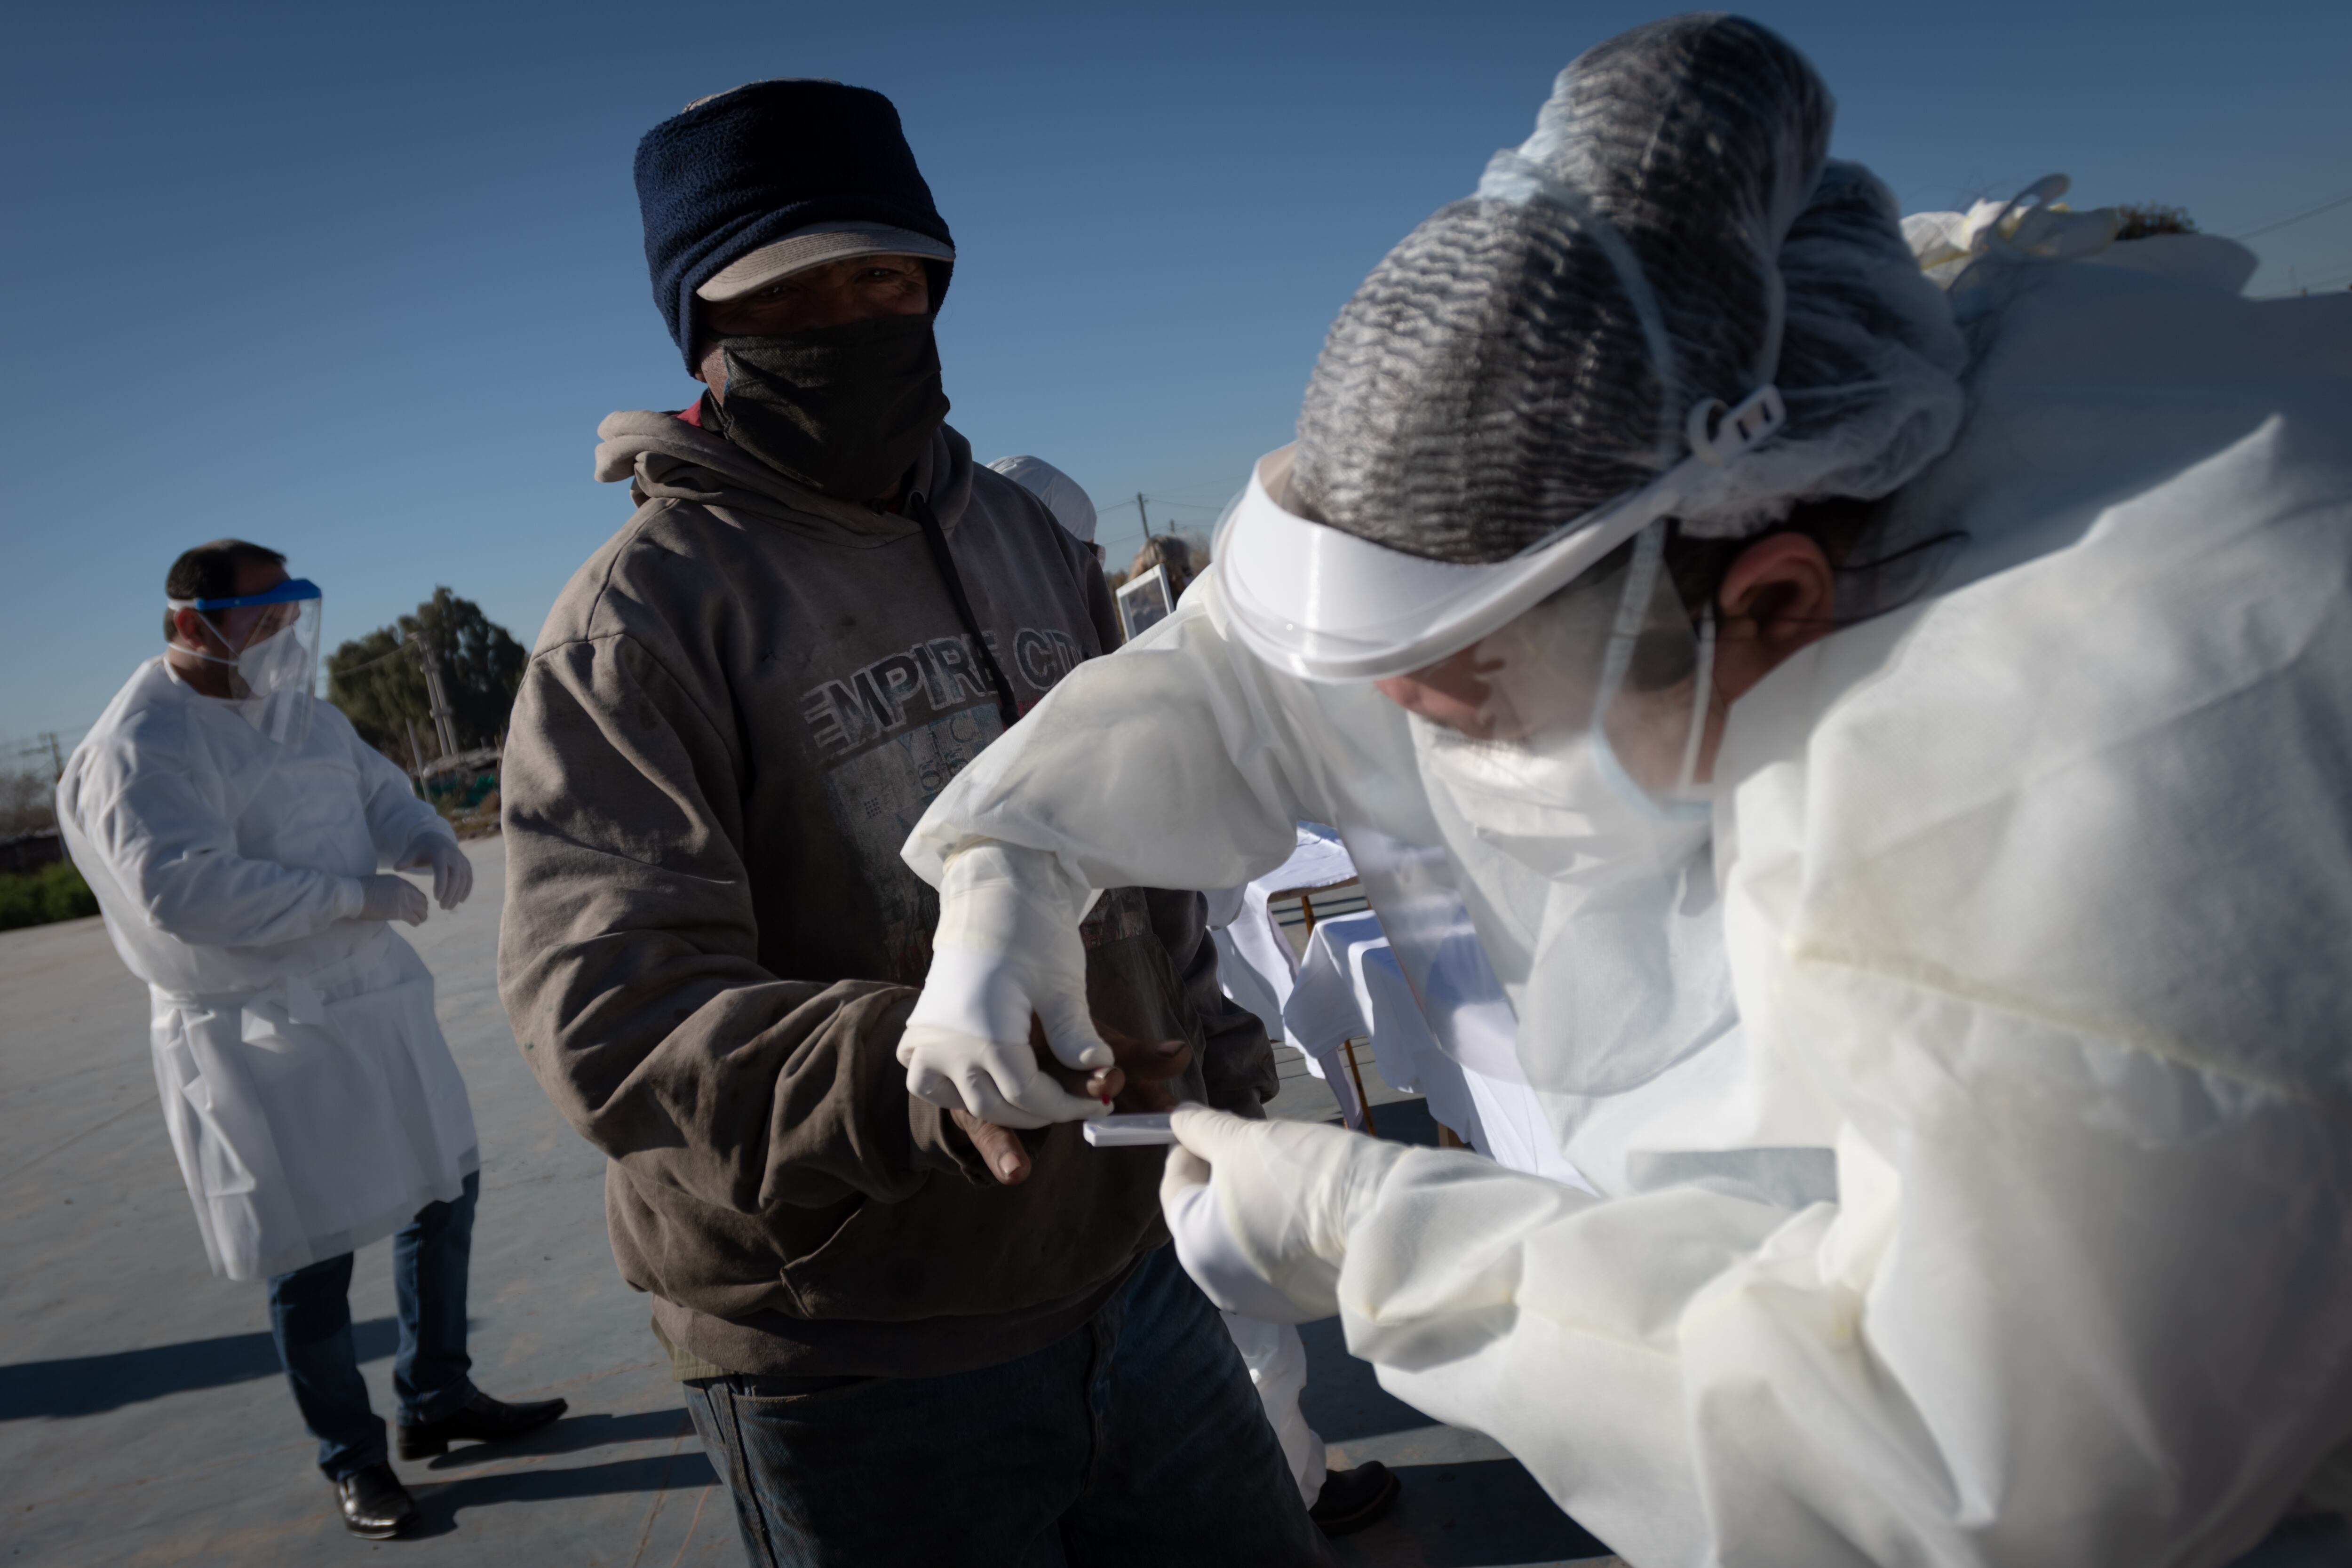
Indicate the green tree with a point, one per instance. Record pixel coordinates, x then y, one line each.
2139 220
27 800
54 892
378 680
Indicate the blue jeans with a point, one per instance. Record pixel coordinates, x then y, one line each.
1136 1441
310 1319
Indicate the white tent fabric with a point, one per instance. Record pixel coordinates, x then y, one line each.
1255 964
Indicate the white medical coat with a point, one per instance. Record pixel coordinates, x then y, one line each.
2015 1216
311 1099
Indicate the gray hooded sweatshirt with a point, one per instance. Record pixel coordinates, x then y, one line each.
737 711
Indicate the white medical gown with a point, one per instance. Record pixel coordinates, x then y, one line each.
311 1099
2004 1212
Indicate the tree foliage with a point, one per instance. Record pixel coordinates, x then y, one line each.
378 680
27 800
2139 221
54 892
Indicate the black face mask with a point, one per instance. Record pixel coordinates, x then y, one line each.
844 410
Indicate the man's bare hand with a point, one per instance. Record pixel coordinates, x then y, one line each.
1136 1080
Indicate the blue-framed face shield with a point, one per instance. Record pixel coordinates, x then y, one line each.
269 641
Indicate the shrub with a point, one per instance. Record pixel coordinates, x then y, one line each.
2141 220
54 892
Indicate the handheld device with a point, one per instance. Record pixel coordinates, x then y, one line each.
1131 1129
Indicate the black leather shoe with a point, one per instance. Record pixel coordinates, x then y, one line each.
376 1505
481 1420
1351 1500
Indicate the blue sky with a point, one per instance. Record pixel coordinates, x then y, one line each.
359 282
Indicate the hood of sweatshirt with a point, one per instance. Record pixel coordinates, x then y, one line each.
665 459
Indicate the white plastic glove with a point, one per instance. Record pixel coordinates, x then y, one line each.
1260 1210
1007 946
385 897
453 874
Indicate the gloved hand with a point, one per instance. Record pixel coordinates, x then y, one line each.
1003 954
385 897
1260 1210
1139 1083
453 874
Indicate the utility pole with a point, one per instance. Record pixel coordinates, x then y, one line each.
1142 515
57 758
415 752
445 730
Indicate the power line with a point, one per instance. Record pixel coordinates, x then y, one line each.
411 645
48 746
2325 283
2328 206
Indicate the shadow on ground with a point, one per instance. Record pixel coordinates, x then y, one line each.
438 1503
571 1435
88 1384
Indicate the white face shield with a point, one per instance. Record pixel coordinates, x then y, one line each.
1569 740
1560 697
269 641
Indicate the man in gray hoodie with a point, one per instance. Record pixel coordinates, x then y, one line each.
905 1334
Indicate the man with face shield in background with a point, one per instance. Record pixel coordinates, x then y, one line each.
1892 746
232 827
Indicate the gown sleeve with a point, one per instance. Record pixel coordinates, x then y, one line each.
145 809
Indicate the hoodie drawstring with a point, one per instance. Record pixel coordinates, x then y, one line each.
921 507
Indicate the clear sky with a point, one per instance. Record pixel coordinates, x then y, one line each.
358 282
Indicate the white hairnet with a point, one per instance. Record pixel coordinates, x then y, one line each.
1063 496
1672 234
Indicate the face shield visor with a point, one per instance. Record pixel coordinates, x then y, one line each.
1560 698
1570 739
270 644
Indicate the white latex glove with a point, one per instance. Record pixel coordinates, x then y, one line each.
1003 953
385 897
1260 1210
453 874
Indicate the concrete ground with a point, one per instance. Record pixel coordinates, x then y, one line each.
144 1419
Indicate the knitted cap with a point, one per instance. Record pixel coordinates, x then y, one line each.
739 171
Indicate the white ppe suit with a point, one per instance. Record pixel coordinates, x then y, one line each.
312 1102
1976 1170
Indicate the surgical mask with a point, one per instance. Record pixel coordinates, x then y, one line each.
1625 972
282 661
844 410
1550 707
1567 812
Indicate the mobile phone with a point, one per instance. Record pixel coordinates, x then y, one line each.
1130 1130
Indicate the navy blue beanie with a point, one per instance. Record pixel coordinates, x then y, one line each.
744 169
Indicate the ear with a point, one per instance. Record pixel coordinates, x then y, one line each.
188 630
1779 595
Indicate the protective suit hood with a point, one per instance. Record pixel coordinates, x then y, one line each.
2123 599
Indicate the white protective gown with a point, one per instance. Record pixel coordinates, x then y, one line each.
1976 1171
311 1099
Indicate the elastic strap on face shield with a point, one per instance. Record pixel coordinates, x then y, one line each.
1702 694
1632 617
229 658
1511 176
